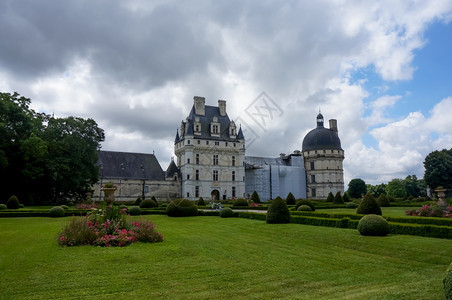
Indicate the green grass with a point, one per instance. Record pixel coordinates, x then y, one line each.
211 258
386 211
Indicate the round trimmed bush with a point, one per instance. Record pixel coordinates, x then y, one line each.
70 203
181 208
64 207
56 212
240 202
13 202
226 212
123 206
277 212
135 211
3 206
304 208
305 202
148 203
351 205
448 283
383 201
201 202
290 200
373 225
368 206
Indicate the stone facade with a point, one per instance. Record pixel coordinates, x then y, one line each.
323 157
210 153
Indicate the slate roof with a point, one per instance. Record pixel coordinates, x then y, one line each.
172 169
205 121
127 165
321 138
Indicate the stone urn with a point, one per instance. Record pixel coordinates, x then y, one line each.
441 192
109 195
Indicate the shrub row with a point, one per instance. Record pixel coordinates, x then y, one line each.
327 215
421 220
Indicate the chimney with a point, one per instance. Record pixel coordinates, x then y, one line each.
222 107
200 103
333 125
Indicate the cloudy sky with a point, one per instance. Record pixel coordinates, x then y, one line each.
383 69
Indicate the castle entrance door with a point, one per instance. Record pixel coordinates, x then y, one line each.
215 195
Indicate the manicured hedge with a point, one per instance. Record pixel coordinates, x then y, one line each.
442 232
252 215
327 215
421 220
250 207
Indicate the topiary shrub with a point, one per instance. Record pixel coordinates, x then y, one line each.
383 201
70 203
304 208
290 200
64 207
351 205
447 282
255 197
135 211
156 202
346 198
330 197
13 202
277 212
56 212
240 202
3 206
181 208
201 202
338 198
148 203
368 206
305 202
373 225
138 201
226 212
122 206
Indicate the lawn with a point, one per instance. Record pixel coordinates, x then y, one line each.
211 257
386 211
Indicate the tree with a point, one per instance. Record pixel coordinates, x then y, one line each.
438 169
376 190
44 158
356 188
412 186
396 189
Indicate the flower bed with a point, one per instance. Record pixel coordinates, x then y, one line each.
108 229
431 211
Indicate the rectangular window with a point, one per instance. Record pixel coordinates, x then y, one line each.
197 191
233 161
188 142
312 178
207 142
197 159
215 159
199 142
217 143
233 191
234 144
188 160
197 175
188 195
215 175
313 193
233 175
312 165
188 176
215 129
226 144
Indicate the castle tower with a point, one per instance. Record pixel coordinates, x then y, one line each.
323 157
210 153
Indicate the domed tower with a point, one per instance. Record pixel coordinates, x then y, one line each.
323 157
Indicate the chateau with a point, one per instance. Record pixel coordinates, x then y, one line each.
211 163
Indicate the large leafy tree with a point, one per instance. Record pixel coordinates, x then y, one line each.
356 188
438 169
412 186
44 159
396 189
376 190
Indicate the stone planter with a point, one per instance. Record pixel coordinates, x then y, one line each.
441 198
109 196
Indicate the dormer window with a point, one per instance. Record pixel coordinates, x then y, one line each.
197 126
215 127
232 130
